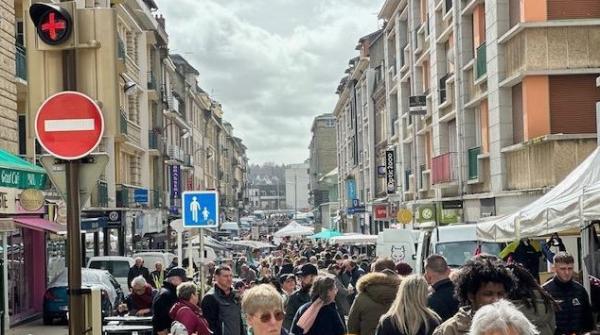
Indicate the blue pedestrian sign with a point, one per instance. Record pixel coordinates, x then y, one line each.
200 209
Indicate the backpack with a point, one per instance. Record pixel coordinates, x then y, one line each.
177 328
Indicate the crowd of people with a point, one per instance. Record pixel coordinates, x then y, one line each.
312 289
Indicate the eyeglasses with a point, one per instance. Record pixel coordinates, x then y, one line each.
266 317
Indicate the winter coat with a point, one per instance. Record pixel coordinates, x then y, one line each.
442 299
161 305
328 321
542 316
341 298
138 302
376 292
135 271
190 316
575 314
223 312
459 324
387 327
296 300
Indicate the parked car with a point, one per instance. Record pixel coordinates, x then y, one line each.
118 266
56 304
151 257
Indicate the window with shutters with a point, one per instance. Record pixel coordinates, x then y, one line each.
570 9
517 113
573 104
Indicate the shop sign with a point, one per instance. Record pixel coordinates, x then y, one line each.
175 172
390 171
31 199
140 196
450 212
8 198
22 179
350 191
380 212
114 219
404 216
426 213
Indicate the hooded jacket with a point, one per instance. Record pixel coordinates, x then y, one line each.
376 292
542 316
459 324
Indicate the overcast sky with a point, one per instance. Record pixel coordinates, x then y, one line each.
273 64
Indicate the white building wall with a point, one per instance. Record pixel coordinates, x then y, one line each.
297 182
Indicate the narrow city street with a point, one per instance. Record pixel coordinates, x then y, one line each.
37 328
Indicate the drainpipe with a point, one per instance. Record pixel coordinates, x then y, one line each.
457 91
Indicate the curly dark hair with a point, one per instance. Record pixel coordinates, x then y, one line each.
527 290
478 272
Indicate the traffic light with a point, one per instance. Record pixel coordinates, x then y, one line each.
54 25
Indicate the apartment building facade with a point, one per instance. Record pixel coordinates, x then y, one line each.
322 158
503 96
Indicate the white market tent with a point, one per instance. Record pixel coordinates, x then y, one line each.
251 244
569 205
229 225
354 239
294 229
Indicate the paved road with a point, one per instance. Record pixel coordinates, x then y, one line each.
37 328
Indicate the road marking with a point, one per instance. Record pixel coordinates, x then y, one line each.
69 125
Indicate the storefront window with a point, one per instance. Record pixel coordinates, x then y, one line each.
19 283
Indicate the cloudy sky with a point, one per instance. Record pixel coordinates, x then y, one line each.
273 64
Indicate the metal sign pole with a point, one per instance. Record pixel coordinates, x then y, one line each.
73 238
202 276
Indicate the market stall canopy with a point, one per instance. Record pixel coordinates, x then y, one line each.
228 225
354 239
326 234
251 244
294 229
19 173
574 200
209 242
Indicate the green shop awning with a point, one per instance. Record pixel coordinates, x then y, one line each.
15 172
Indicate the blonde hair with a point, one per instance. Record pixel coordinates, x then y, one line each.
409 311
263 297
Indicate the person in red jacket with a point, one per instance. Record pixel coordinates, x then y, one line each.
187 312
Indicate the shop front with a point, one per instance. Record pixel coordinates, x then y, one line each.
25 233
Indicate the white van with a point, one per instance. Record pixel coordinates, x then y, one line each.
457 243
118 266
151 257
400 245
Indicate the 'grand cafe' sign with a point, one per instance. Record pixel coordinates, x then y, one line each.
22 179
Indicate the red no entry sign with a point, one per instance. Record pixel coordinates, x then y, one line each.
69 125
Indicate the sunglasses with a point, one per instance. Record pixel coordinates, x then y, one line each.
266 317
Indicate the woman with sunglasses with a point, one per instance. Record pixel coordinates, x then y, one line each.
320 316
263 309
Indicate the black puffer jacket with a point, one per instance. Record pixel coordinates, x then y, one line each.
442 299
575 314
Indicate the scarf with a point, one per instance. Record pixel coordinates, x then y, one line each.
145 300
307 319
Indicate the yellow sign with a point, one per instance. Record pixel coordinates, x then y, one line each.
31 199
405 216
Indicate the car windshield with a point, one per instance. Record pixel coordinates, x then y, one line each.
457 253
116 268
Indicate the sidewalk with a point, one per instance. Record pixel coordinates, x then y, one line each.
37 327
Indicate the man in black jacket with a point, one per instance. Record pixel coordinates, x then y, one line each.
165 299
441 299
221 305
307 274
575 313
138 269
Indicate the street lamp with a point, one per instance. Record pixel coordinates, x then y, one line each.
129 87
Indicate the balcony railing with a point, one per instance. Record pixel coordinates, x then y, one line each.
153 140
100 197
156 198
21 63
444 168
473 162
120 49
481 61
151 81
124 196
443 89
123 123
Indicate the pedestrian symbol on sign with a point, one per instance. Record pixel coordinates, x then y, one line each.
200 209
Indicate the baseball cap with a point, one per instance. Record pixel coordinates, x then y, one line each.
307 269
178 272
285 277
